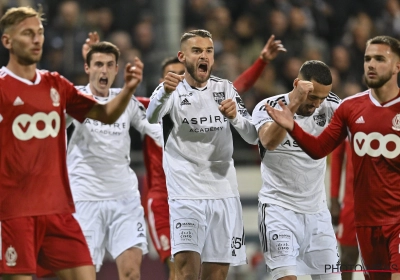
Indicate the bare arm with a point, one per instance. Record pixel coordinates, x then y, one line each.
272 134
110 112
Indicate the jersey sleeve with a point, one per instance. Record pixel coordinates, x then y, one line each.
160 104
337 158
141 124
77 103
243 121
247 79
260 115
320 146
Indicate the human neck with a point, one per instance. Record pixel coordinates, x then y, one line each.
24 71
94 91
385 93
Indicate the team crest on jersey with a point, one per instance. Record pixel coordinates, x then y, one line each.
11 256
396 122
55 97
320 120
219 97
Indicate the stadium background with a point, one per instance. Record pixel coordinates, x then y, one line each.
334 31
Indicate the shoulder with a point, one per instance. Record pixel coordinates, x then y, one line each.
333 98
356 98
271 101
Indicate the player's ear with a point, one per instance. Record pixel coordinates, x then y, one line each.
6 40
181 56
295 82
86 68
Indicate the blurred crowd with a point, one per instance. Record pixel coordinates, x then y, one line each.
334 31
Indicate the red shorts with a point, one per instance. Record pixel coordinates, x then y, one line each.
379 248
158 222
346 234
54 242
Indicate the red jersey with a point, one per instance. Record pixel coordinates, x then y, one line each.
33 171
375 141
152 154
337 159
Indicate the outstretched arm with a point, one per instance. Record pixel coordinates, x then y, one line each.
109 113
247 79
272 134
315 146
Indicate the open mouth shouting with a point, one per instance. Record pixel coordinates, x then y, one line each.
103 82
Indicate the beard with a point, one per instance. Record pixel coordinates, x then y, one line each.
377 83
191 68
304 110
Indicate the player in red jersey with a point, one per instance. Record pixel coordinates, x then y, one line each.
157 210
36 223
343 215
372 121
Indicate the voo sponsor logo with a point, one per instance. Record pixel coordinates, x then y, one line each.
376 144
25 126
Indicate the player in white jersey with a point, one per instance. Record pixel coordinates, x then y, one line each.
104 188
295 227
197 111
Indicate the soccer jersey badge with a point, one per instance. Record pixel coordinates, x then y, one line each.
55 96
320 120
396 122
219 97
11 256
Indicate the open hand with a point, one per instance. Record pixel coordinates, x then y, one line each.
283 117
92 39
133 74
228 108
271 49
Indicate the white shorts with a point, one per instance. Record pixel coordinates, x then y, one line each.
115 225
288 238
211 227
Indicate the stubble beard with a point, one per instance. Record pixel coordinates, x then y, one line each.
192 72
378 83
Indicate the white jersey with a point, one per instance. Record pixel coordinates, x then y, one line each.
291 179
98 154
198 142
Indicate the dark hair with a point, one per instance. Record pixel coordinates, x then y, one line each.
102 47
168 61
198 32
14 16
316 70
393 43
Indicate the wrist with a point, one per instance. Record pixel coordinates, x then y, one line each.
266 61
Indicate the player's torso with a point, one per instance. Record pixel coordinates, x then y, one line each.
32 120
197 122
375 141
290 177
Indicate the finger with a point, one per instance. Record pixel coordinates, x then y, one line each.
271 38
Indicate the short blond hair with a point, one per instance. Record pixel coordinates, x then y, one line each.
14 16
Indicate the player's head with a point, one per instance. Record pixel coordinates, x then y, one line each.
197 55
102 66
320 75
23 34
381 61
171 64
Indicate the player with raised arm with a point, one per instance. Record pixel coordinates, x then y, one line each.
104 188
203 197
371 119
295 227
36 223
